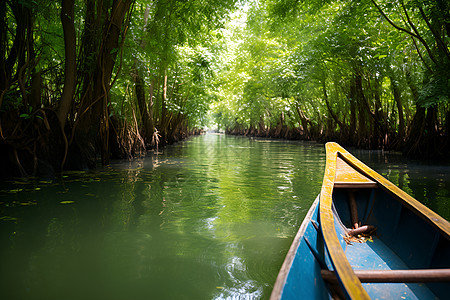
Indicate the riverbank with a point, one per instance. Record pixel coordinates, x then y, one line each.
436 150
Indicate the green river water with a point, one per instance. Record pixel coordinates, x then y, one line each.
209 218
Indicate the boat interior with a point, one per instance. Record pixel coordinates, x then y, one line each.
398 239
392 245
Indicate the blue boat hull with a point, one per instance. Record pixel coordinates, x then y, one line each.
403 240
303 279
404 255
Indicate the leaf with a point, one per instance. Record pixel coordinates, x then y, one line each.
67 202
6 218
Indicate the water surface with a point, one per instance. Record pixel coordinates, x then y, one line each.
208 218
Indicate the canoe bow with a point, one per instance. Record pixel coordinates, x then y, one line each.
334 154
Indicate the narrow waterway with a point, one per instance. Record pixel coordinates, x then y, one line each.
209 218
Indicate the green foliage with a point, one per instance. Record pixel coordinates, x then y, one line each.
257 64
176 40
436 89
319 63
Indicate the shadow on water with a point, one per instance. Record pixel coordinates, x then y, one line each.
208 218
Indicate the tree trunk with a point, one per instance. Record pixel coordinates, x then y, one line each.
21 53
145 117
447 131
93 131
70 71
36 90
380 132
363 112
4 78
330 109
261 127
147 125
304 121
106 62
401 119
431 125
353 129
150 105
164 117
414 137
82 146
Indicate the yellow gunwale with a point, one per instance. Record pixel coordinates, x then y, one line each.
349 280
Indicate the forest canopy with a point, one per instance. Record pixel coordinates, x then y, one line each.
90 80
373 74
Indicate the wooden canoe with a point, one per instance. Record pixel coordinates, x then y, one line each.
364 238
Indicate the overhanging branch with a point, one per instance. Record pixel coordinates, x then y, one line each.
414 35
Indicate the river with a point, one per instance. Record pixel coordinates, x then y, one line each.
208 218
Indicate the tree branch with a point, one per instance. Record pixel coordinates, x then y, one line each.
420 56
405 30
391 22
440 42
417 32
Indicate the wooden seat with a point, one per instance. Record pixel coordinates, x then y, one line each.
348 177
395 276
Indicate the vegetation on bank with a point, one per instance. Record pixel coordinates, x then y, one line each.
83 81
372 74
87 79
